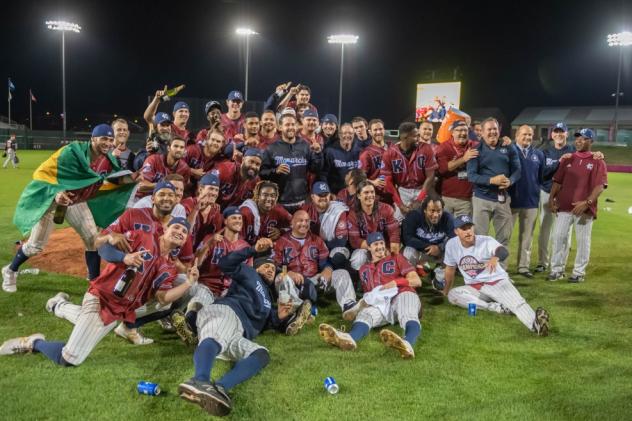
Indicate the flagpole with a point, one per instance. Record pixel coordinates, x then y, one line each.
31 109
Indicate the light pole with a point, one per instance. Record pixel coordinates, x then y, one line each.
622 39
247 32
341 39
63 26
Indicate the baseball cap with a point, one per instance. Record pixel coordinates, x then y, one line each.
180 220
263 260
210 179
587 133
320 187
329 118
235 96
103 130
374 237
288 110
212 104
230 148
180 105
160 118
310 113
463 220
458 123
231 210
163 185
560 126
253 152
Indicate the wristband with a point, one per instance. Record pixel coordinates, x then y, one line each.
401 282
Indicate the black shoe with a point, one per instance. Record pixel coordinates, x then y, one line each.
541 323
298 319
575 279
526 274
219 403
211 397
555 276
540 269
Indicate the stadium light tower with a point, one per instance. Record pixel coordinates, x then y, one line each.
342 39
246 32
63 27
622 39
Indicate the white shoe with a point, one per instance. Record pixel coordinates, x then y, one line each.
20 345
393 340
132 335
9 279
498 308
352 311
337 338
60 297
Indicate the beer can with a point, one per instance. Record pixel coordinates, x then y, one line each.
471 309
148 388
314 310
331 386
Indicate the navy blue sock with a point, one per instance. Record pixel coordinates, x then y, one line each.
412 331
245 369
359 330
19 258
93 261
204 357
191 318
140 321
51 349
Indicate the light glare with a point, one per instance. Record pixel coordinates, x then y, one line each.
622 39
245 31
342 39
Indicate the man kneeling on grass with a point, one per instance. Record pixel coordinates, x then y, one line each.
487 284
389 283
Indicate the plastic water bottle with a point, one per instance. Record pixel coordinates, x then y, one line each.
30 271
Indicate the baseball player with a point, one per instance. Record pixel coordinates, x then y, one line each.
362 137
269 133
389 283
159 137
207 154
329 129
70 177
213 113
238 180
352 179
128 282
263 217
577 185
229 326
181 114
233 121
202 211
9 149
487 284
371 158
309 131
339 159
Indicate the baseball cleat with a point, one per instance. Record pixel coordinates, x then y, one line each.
555 276
352 309
20 345
299 318
9 279
541 323
132 335
393 340
210 397
60 297
539 269
527 274
575 279
182 328
337 338
166 325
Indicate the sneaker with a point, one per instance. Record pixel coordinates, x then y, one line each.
575 279
299 318
166 325
555 276
393 340
132 335
20 345
182 328
540 269
212 398
541 323
60 297
498 308
351 310
9 279
337 338
526 274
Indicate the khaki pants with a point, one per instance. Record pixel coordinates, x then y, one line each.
499 214
526 224
457 206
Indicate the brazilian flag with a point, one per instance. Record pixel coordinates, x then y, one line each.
69 169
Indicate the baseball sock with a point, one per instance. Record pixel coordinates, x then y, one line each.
191 318
245 369
359 330
19 258
204 357
140 321
412 331
52 350
93 261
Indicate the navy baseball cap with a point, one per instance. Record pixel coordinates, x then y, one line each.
230 211
262 261
103 130
329 118
462 220
320 187
374 237
210 105
230 148
180 220
458 123
209 179
180 105
560 126
253 152
160 118
310 113
587 133
163 185
235 96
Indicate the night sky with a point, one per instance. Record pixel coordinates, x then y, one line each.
509 55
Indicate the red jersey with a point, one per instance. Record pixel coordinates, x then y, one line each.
342 230
262 142
203 225
360 225
156 168
210 273
232 127
101 165
183 133
453 183
269 140
233 189
371 160
347 198
306 258
157 273
278 218
388 269
578 176
195 158
407 172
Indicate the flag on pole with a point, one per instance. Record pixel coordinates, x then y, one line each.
32 96
11 85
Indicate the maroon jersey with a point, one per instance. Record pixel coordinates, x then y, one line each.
232 127
578 176
407 172
347 198
315 138
361 224
233 189
388 269
203 225
156 168
278 218
195 158
342 230
182 133
453 183
102 166
262 142
156 273
210 273
371 161
306 258
269 140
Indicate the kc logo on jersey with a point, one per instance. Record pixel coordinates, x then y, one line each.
388 267
471 266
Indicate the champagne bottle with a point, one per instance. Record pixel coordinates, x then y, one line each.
169 93
60 214
125 281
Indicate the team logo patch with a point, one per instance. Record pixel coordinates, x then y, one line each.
589 166
471 266
503 150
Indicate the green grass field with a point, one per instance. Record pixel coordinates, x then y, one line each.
483 367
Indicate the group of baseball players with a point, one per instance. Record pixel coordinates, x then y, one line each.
245 225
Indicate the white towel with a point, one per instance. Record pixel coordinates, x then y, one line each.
381 298
329 220
250 204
